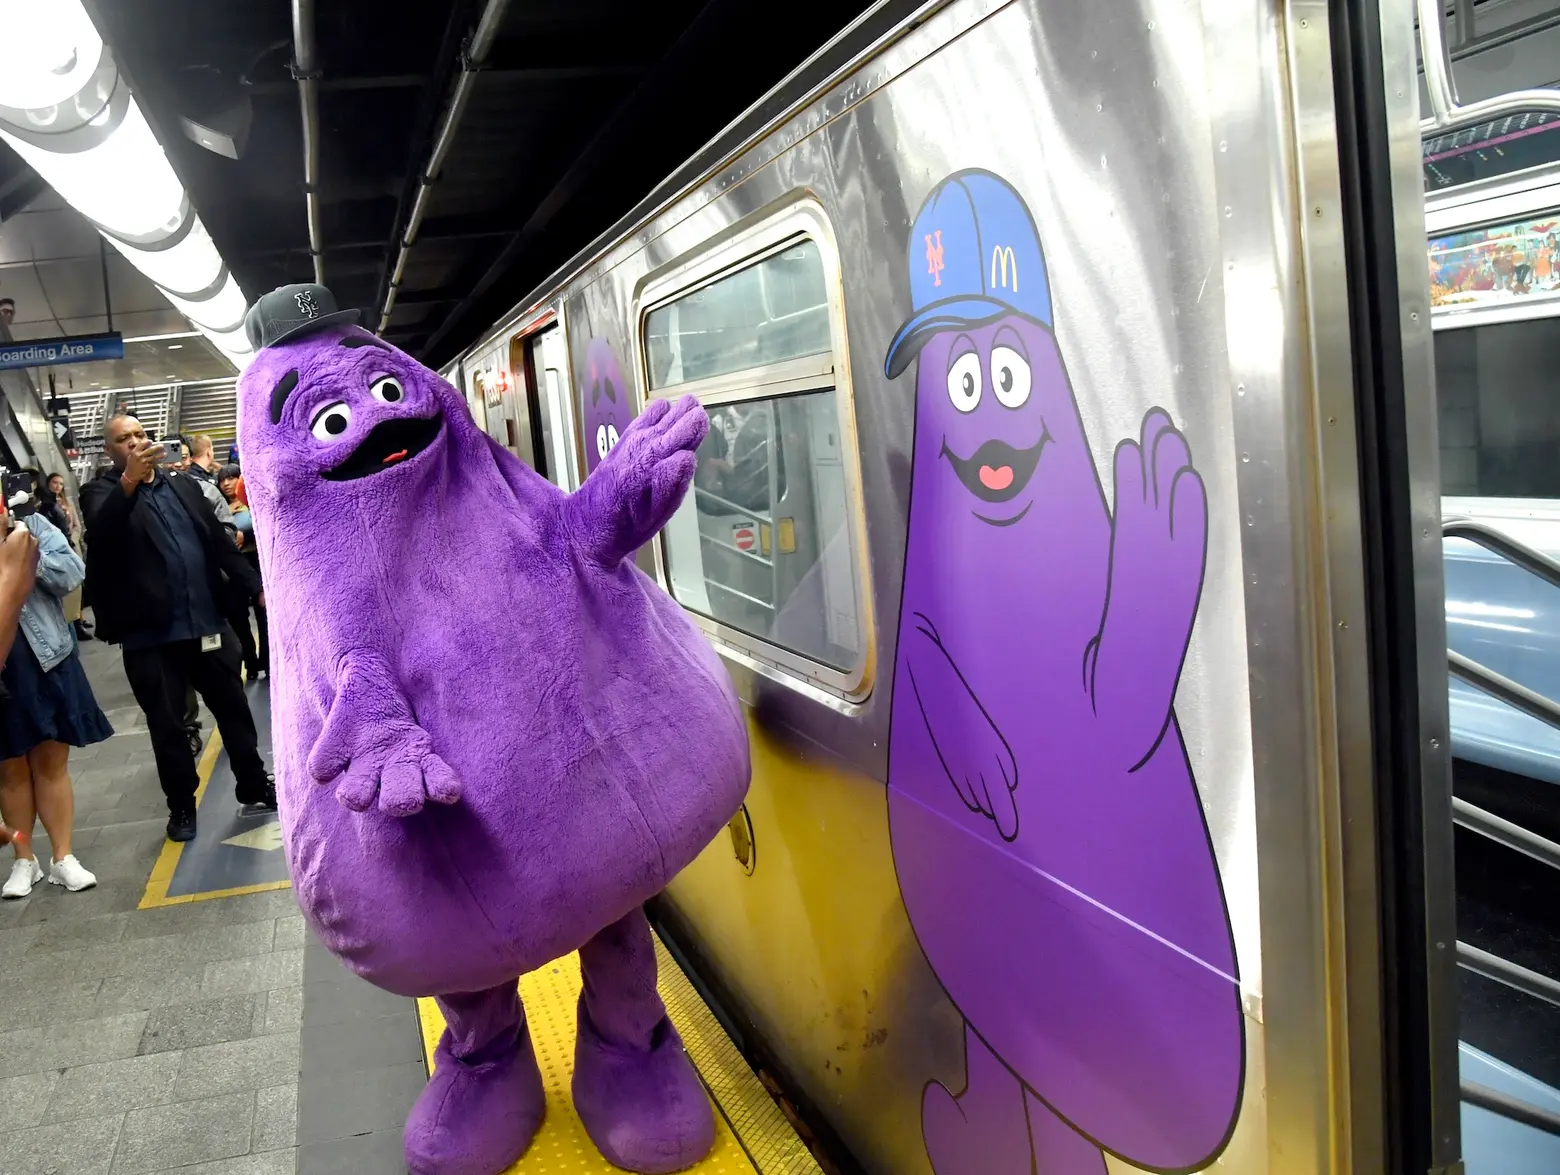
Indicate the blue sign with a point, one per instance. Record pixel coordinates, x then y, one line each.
49 352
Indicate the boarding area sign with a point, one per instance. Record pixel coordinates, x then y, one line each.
49 352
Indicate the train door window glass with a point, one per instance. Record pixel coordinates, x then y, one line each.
1503 146
766 547
1498 408
774 310
1514 263
764 544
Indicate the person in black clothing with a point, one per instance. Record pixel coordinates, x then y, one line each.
156 555
243 521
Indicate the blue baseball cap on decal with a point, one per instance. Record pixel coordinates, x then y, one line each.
975 256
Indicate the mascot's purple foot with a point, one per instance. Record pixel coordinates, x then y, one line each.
477 1116
646 1111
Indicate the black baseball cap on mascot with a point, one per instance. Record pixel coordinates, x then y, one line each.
290 311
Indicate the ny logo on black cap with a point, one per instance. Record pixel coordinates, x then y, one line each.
306 306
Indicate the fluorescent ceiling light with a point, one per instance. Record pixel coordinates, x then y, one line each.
188 266
223 309
69 114
182 334
175 346
124 183
49 52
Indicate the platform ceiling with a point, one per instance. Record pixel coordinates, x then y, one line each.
585 105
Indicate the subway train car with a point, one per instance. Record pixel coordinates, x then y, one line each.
1032 528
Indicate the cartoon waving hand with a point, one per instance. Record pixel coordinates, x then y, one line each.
977 759
1159 542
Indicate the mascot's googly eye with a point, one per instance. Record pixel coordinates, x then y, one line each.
387 390
331 421
601 441
1009 377
612 437
964 382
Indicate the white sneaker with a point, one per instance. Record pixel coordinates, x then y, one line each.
24 875
71 874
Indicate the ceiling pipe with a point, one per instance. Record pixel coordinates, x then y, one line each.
305 69
471 61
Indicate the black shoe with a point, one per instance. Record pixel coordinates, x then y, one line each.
181 826
196 744
82 634
252 672
264 797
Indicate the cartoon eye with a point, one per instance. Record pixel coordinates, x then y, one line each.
964 382
601 441
331 421
1009 377
387 390
612 437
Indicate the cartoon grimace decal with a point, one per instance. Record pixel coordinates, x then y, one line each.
606 399
1047 831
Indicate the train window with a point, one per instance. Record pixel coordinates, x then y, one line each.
774 310
1499 415
1506 264
1496 297
1511 143
766 550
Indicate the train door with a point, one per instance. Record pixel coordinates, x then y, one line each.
461 377
519 404
1491 174
542 366
548 365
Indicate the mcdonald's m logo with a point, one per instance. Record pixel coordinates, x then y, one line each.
1002 255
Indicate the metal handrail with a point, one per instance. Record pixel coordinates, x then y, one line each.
1504 832
1502 688
1447 113
1513 975
1509 1107
1532 561
734 508
1497 685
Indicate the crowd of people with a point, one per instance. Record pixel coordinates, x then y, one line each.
162 551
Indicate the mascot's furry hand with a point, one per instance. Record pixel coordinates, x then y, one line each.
374 746
637 488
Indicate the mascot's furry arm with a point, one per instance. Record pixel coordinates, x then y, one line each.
638 486
371 740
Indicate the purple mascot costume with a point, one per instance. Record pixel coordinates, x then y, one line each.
496 738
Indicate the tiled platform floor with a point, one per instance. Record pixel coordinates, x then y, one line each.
211 1038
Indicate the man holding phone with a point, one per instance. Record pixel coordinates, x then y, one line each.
156 556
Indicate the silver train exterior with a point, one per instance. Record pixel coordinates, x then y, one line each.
1177 167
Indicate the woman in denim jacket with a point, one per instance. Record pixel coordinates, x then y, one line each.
49 708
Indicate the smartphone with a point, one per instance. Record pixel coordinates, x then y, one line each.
17 490
173 452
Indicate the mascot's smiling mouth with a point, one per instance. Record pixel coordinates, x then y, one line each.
388 444
996 472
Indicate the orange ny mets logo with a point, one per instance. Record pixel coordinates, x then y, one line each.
934 257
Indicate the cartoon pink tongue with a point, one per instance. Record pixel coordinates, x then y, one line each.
996 479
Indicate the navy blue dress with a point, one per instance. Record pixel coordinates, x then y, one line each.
56 706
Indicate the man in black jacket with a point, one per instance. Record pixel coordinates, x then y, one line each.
155 556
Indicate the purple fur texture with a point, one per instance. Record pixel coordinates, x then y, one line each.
495 736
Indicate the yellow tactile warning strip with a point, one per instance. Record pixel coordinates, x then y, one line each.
157 884
561 1146
771 1143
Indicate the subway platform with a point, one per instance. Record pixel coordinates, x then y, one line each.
180 1018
